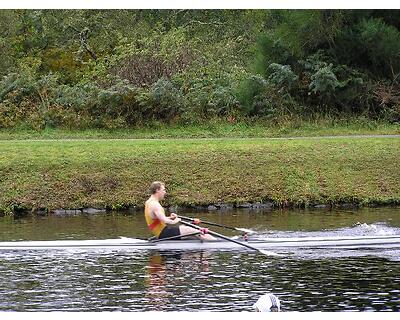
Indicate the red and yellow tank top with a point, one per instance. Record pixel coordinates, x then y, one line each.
154 224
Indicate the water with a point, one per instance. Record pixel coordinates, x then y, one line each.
129 280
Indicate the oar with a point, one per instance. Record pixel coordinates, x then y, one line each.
268 253
216 224
177 237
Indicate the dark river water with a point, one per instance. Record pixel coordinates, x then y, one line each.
148 280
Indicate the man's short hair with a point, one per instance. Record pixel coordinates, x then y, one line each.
155 186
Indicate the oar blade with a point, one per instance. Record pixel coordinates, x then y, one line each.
245 230
265 252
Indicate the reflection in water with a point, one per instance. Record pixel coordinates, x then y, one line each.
156 289
168 269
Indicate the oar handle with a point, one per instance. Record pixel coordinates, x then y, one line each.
220 236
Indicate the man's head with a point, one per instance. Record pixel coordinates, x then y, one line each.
268 303
157 189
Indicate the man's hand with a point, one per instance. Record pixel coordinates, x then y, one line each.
174 218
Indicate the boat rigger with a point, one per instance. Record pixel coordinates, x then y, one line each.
348 242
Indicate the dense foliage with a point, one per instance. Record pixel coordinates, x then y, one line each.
123 68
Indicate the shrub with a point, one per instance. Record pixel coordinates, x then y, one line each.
208 92
272 103
372 45
77 97
324 82
110 107
352 95
10 114
222 102
152 57
282 76
381 44
23 98
162 102
387 95
338 85
248 89
117 99
270 49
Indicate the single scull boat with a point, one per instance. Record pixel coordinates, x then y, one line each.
350 242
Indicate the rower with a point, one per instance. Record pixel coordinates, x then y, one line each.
267 303
159 224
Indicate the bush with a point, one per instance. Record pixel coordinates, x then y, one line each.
372 45
324 82
391 114
275 104
387 95
270 49
262 98
77 97
111 107
352 95
43 102
338 85
118 100
381 44
162 102
10 114
222 102
152 57
209 91
282 76
248 89
21 100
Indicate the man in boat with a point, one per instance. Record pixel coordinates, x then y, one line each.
161 225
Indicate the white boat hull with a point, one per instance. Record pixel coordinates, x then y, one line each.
268 243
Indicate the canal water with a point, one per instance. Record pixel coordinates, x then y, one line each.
148 280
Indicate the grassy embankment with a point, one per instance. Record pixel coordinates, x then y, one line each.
115 173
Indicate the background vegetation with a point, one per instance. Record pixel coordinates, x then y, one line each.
118 69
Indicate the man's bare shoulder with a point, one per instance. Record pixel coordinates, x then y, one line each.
153 204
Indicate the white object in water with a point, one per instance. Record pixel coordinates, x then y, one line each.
268 303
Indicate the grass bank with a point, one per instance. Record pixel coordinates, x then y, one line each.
117 173
218 129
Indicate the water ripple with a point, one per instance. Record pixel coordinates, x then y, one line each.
130 280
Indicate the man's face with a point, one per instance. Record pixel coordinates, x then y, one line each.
161 193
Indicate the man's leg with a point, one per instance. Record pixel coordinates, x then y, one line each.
188 230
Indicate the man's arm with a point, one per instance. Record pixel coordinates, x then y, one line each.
159 213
